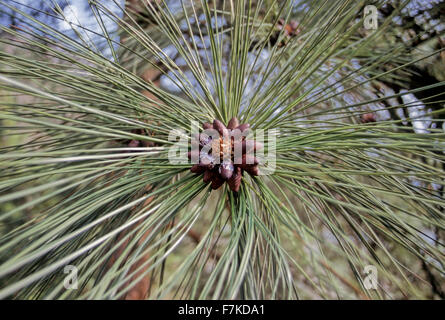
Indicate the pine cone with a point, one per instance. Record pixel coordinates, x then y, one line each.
225 154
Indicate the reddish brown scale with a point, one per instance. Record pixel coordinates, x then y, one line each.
197 168
235 180
251 145
208 176
368 117
217 182
233 123
243 127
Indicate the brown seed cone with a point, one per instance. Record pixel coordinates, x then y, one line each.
218 173
221 128
197 169
368 117
208 176
233 123
253 170
243 127
206 166
237 136
235 180
248 160
251 145
217 182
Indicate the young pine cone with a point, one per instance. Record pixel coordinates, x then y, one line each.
368 117
223 154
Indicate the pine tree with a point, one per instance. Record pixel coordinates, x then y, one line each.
87 119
